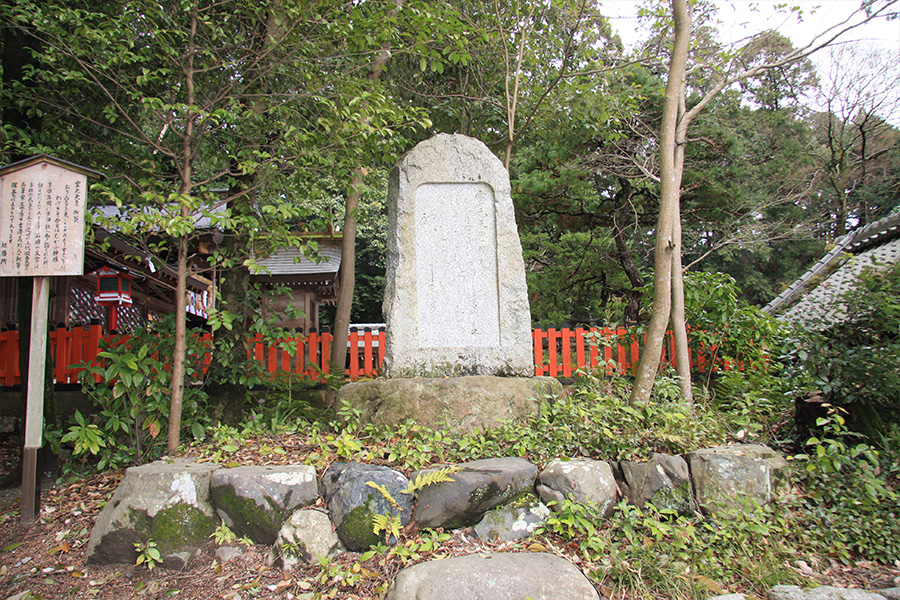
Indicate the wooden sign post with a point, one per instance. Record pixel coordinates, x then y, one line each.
42 208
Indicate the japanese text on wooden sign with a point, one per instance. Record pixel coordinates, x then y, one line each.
42 208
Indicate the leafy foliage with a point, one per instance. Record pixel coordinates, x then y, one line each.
425 479
724 325
853 363
851 506
130 387
147 554
659 553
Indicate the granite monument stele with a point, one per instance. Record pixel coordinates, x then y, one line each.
455 301
459 346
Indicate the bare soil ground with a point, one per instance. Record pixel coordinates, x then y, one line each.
46 559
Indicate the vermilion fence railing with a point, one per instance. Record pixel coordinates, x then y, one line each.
562 352
558 352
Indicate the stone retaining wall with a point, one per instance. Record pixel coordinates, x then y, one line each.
178 504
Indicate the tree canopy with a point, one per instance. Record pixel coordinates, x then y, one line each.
267 116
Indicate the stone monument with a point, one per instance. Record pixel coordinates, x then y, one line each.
455 302
459 347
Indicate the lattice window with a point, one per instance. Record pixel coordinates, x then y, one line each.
83 308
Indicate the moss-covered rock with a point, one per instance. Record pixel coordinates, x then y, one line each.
356 492
466 402
163 502
179 527
254 501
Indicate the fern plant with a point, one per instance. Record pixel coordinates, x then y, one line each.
391 524
387 495
425 479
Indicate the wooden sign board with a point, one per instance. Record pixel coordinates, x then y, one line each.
42 210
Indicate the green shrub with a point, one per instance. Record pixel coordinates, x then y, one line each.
130 387
855 363
851 507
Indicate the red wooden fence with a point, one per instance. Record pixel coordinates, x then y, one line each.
557 353
562 352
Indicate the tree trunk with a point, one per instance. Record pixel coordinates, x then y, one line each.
633 307
338 356
670 179
679 326
337 360
180 353
176 399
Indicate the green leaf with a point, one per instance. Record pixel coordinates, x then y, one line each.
11 547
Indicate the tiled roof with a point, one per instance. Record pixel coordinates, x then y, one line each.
291 261
815 297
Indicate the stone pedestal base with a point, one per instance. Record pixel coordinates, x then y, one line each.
467 402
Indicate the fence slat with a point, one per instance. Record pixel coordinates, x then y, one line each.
368 363
566 350
579 347
9 357
538 336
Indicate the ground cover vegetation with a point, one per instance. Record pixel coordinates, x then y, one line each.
835 521
278 107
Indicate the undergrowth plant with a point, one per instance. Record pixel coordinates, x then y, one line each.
852 508
595 419
130 387
147 554
656 553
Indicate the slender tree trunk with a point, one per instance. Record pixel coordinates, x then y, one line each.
670 179
338 356
512 96
679 326
180 354
179 359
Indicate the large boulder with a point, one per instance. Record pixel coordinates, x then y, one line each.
477 487
353 493
585 481
254 501
497 576
663 481
163 502
305 538
466 402
735 477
